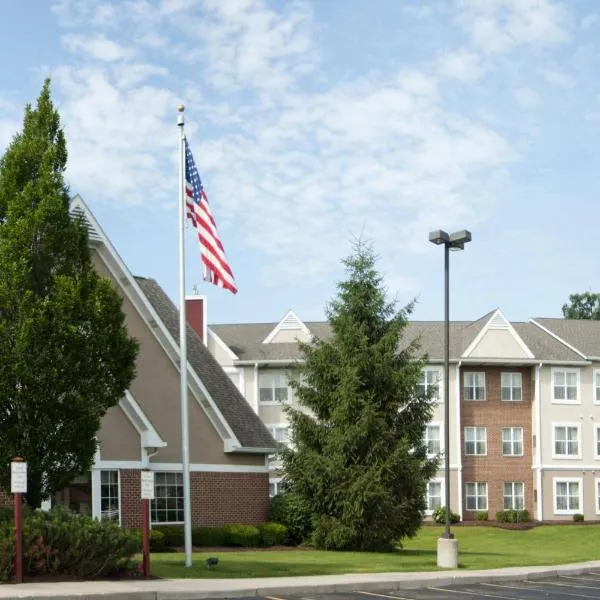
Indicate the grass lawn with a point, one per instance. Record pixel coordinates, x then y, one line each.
479 548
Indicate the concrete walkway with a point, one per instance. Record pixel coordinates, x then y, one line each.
192 589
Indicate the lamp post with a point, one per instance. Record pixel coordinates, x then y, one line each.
447 552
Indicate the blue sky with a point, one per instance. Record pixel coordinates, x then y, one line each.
314 123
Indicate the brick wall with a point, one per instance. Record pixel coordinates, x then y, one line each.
494 414
131 503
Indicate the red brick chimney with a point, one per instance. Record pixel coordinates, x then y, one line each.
195 308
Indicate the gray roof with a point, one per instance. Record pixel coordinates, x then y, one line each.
245 339
245 424
581 334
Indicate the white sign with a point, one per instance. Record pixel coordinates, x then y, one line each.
147 485
18 478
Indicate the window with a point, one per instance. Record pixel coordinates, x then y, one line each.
430 381
511 385
474 386
273 387
281 433
597 446
512 441
433 440
167 506
514 495
476 494
275 486
568 495
109 496
566 386
597 386
475 441
597 496
434 495
566 441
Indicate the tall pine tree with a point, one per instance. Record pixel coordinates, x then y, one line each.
65 356
357 459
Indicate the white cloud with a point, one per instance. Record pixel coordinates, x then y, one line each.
557 77
589 21
97 47
527 97
463 65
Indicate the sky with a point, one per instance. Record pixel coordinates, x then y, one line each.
318 123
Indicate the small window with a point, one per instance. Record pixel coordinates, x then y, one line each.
280 433
511 387
512 441
475 441
476 496
597 386
474 386
597 441
430 382
566 441
567 496
565 386
273 387
434 495
433 440
514 495
109 496
167 506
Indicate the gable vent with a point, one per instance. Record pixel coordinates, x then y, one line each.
93 234
290 322
498 322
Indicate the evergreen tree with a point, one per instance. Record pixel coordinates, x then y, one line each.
357 459
582 306
65 356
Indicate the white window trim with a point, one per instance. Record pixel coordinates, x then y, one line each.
273 402
596 371
596 440
442 483
565 371
522 441
578 480
487 496
597 494
512 386
513 496
100 492
579 441
440 372
161 523
276 481
484 386
439 424
465 439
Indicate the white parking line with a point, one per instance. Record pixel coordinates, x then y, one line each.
383 595
571 585
446 590
579 577
524 589
274 598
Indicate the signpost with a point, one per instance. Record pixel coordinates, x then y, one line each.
18 487
147 493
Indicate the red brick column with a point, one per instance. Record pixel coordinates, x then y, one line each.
131 503
225 498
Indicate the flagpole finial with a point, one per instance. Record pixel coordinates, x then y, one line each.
180 109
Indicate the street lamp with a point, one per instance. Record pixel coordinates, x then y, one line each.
447 551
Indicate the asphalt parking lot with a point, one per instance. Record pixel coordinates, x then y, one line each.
565 587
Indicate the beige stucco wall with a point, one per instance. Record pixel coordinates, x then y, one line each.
498 343
217 350
588 478
118 438
156 390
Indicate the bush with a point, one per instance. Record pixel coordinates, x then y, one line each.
439 516
513 516
272 534
246 536
578 517
208 536
58 542
289 510
6 552
174 537
157 541
482 516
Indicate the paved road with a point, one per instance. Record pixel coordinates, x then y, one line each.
556 588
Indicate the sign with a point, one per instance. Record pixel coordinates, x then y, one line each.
18 477
147 485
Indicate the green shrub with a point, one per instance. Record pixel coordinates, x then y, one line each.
578 517
439 516
174 537
482 516
208 536
6 552
246 536
272 534
157 541
513 516
289 510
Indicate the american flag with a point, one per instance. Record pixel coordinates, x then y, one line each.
214 264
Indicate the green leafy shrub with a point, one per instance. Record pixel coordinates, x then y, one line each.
482 516
439 516
208 536
174 537
289 510
6 552
272 534
513 516
246 536
578 517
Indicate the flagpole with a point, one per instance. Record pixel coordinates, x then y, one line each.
185 443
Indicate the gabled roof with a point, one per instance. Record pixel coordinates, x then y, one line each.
290 322
583 335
